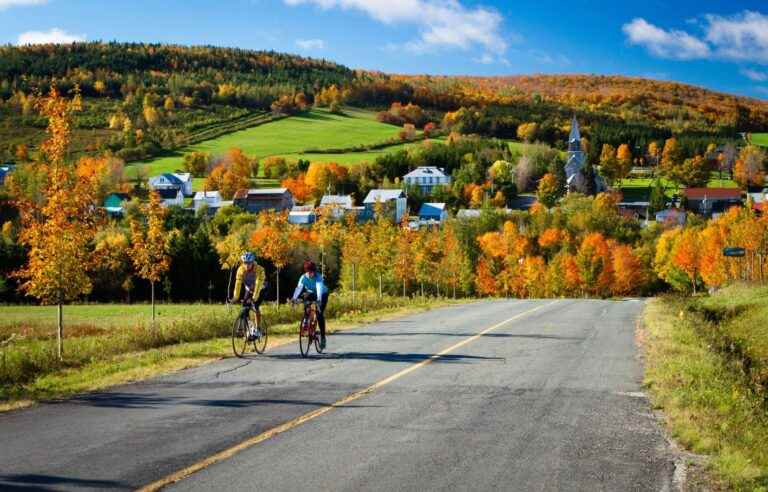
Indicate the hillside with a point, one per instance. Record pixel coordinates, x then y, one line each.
141 100
173 94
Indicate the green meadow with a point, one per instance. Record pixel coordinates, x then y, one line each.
760 139
290 137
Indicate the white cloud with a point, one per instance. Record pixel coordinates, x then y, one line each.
740 37
486 59
677 45
55 35
310 44
444 23
6 4
755 75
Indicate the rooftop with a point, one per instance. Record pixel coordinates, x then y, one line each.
340 200
260 192
202 195
383 195
713 193
426 171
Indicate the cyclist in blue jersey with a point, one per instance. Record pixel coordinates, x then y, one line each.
311 287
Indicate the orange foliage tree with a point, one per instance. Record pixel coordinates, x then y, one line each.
59 229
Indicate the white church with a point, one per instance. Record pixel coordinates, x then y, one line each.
576 179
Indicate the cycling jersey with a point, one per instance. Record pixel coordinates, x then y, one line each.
252 279
314 285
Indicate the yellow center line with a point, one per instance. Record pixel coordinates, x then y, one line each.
231 451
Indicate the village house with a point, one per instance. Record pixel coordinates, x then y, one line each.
255 200
211 199
114 204
427 178
711 201
433 213
182 181
302 215
671 217
337 206
393 201
170 197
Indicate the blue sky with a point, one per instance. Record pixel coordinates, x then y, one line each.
720 45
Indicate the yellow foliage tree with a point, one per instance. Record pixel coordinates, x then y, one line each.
148 245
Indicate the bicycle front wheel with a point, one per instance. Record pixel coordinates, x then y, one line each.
260 344
240 336
304 339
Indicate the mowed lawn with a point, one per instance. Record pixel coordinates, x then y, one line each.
317 129
40 321
760 139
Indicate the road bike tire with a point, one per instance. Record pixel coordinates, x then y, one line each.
240 336
260 344
304 340
317 340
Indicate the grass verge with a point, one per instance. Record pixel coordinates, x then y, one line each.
710 402
111 368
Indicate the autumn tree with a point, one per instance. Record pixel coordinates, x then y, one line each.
148 244
527 131
354 242
298 187
197 163
380 245
749 169
404 253
272 241
22 153
686 255
547 192
58 230
627 269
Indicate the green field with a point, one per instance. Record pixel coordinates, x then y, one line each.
760 139
317 129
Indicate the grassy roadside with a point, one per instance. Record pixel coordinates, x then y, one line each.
707 391
139 365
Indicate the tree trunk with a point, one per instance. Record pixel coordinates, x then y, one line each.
60 332
153 303
454 290
403 287
380 288
229 283
354 283
277 282
422 290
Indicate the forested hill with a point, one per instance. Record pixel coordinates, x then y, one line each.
113 69
656 103
144 99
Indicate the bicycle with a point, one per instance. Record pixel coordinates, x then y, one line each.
243 327
308 331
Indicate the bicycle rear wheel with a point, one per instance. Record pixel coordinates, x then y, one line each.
260 344
240 336
304 338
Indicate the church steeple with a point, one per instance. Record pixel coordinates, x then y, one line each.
574 140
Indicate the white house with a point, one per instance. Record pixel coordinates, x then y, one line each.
426 178
389 198
210 198
302 215
171 196
172 180
336 205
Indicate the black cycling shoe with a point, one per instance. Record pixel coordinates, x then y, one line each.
322 343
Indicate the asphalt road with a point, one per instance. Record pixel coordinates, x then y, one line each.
549 400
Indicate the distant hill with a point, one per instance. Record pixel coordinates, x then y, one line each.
142 99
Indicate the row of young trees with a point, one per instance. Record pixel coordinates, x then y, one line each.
692 257
60 221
